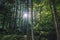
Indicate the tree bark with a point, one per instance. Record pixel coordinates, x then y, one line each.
32 20
55 18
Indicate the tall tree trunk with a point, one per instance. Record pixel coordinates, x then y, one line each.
55 18
27 18
3 22
32 19
16 15
20 15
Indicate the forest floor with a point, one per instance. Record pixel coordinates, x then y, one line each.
11 37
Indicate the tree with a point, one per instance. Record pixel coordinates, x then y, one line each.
55 17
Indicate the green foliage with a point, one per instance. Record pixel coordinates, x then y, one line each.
43 21
44 17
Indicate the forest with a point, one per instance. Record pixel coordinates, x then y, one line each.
29 19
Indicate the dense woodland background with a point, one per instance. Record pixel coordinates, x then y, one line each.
42 21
